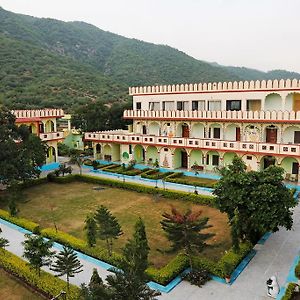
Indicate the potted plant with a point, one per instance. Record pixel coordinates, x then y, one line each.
227 269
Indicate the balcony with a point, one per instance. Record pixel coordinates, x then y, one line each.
38 113
226 116
208 144
50 136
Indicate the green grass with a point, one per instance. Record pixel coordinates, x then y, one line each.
68 204
193 180
11 289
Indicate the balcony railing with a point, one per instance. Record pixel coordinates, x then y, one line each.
38 113
242 116
209 144
51 136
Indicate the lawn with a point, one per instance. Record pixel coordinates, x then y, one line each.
68 205
11 289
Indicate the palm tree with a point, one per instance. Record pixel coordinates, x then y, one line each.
3 241
67 264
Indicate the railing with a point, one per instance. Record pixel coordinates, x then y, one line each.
51 136
251 147
40 113
260 116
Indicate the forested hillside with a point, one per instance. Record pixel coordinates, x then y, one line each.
46 62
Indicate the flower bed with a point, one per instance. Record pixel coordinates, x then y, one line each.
155 174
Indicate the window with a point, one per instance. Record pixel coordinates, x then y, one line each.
217 133
195 105
207 159
233 105
182 105
168 105
215 160
249 157
130 149
297 137
153 105
139 105
214 105
166 149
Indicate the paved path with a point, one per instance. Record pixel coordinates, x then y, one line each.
273 258
15 246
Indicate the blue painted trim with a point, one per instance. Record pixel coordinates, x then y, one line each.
290 278
264 238
50 167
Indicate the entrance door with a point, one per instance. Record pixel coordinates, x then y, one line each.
271 135
237 134
269 161
144 129
185 131
295 168
184 159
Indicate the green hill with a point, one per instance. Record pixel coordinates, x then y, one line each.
46 62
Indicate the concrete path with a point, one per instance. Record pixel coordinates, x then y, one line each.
273 258
16 238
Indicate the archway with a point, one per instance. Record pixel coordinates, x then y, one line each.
154 129
49 126
267 161
291 135
196 157
33 128
51 154
198 131
228 157
98 151
292 102
139 154
152 155
212 160
183 130
214 131
107 152
180 159
273 102
251 162
252 134
232 133
290 166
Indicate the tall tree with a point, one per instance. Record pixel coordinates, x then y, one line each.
185 231
67 264
21 153
91 230
255 201
129 283
37 251
108 227
96 289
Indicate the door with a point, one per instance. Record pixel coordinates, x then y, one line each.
269 161
144 129
237 134
296 104
297 137
184 159
271 135
185 131
295 168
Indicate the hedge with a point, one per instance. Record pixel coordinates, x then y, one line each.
155 174
290 291
46 283
29 225
297 270
80 245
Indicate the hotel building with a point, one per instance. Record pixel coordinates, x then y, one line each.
43 123
206 124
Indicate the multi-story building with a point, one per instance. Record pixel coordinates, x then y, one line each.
43 123
206 124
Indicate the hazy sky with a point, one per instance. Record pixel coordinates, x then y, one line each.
261 34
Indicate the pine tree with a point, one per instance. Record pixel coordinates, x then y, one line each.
67 264
184 231
130 282
108 227
37 251
91 230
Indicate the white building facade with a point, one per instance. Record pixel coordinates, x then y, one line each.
207 124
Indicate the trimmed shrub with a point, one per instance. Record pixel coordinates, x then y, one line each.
46 283
290 291
169 271
155 174
29 225
297 270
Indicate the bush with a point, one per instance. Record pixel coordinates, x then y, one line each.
290 291
297 270
32 182
155 175
29 225
197 277
46 283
